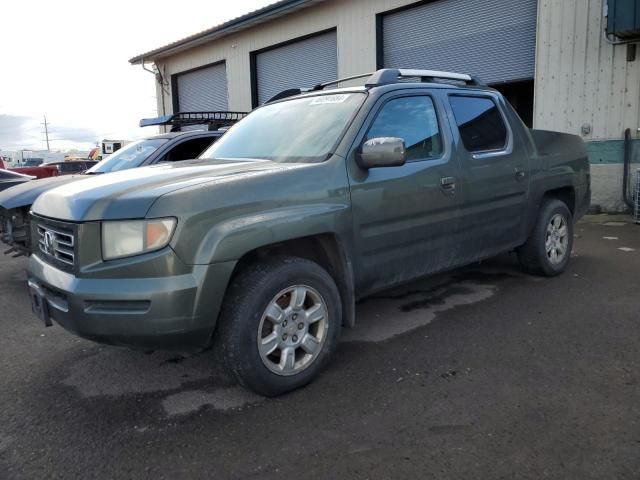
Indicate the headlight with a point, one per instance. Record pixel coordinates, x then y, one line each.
133 237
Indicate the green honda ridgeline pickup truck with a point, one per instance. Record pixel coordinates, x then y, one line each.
262 246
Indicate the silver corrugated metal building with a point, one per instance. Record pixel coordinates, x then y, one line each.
551 58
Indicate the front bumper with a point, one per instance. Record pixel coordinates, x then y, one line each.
176 312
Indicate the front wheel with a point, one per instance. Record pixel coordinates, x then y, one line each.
280 324
548 249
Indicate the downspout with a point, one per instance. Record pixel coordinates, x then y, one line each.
160 80
627 166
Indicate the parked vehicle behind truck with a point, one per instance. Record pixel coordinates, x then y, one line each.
10 179
170 147
38 172
263 245
71 167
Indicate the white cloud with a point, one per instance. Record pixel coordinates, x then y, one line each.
68 59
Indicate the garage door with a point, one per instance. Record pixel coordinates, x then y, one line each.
300 64
201 90
492 39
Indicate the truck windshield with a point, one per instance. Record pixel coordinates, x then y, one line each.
130 156
300 130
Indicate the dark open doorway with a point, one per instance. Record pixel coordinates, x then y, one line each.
520 96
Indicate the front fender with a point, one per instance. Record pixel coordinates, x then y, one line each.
231 239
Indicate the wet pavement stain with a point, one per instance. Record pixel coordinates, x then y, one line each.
222 399
419 307
434 298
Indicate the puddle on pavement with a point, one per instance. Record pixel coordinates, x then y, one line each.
115 372
222 399
412 310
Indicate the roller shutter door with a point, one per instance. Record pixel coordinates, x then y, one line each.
204 89
301 64
493 39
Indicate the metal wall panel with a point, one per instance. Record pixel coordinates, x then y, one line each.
492 39
581 79
203 90
304 63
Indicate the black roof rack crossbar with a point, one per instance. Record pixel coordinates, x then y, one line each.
214 120
289 92
322 86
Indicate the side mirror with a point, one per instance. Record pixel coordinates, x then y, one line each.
382 152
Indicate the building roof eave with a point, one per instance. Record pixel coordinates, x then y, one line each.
269 12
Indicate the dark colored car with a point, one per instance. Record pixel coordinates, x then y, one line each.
169 147
71 167
10 179
263 245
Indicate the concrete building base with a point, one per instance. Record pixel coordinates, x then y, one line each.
607 171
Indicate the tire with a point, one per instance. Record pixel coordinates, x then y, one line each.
537 254
262 306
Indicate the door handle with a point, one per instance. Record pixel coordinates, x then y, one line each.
448 185
520 173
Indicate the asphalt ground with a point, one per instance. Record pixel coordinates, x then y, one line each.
480 373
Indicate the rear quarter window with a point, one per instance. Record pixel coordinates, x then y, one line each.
480 123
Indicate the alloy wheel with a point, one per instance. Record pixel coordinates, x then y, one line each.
293 330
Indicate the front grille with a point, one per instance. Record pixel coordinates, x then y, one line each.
57 243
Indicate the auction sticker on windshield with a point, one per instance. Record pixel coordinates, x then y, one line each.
325 99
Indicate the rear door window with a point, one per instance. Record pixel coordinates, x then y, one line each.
480 123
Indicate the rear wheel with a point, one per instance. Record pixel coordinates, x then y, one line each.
548 249
280 324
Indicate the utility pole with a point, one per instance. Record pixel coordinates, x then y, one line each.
46 132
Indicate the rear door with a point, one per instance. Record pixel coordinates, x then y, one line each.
495 174
405 218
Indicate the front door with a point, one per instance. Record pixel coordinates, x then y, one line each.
405 218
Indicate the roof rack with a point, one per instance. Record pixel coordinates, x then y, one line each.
214 120
391 75
385 77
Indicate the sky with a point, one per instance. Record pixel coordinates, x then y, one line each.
68 60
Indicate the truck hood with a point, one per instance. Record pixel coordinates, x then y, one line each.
130 193
24 195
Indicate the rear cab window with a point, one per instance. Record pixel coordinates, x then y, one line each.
481 125
413 119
